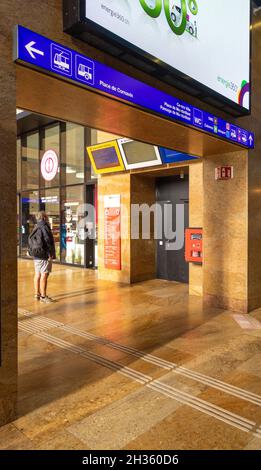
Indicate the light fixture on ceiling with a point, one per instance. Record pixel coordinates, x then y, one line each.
69 204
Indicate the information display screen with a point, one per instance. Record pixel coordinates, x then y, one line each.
106 157
138 154
209 42
171 156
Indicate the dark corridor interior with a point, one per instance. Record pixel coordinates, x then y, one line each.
172 195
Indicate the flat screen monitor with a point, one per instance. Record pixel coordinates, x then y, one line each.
138 155
106 157
172 156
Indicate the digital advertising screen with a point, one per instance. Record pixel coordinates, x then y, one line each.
106 157
138 154
209 42
172 156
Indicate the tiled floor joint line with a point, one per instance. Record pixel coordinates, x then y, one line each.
201 405
46 323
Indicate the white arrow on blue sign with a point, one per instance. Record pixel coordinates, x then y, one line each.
32 50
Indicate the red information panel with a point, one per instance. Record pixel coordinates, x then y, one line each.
194 246
112 232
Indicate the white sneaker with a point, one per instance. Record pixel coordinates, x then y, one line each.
46 300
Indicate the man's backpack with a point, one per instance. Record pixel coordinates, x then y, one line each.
36 244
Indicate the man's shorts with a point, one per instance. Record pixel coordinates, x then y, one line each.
43 266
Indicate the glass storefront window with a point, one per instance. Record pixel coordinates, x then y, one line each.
73 154
30 207
72 243
30 161
65 193
51 141
50 203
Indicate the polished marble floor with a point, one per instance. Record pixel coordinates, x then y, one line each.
132 367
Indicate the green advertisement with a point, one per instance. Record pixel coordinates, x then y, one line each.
177 16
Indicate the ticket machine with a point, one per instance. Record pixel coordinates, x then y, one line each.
194 245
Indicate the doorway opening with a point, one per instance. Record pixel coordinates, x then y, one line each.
172 192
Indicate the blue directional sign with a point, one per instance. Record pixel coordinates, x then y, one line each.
170 156
51 57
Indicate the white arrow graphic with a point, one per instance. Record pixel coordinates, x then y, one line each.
250 139
29 47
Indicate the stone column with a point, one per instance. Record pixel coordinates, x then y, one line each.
226 233
8 248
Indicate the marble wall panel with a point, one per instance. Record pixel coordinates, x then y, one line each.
254 174
196 220
226 233
108 185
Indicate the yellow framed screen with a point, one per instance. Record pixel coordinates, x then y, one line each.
106 157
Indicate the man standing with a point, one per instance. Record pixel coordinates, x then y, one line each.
42 249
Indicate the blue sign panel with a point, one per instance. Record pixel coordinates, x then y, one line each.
61 61
170 156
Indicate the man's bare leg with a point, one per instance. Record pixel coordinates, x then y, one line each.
43 284
37 278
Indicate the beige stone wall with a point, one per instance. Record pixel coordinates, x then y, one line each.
196 220
99 137
254 175
8 248
226 233
138 256
109 185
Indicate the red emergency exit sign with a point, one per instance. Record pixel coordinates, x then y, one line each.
224 173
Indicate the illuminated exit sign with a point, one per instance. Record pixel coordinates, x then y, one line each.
224 173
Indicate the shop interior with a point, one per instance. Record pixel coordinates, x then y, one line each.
85 156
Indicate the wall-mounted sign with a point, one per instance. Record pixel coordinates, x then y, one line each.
138 154
207 43
171 156
49 165
112 232
39 52
106 157
224 173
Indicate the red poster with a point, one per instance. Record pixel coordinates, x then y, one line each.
112 233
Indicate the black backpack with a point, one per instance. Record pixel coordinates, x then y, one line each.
36 244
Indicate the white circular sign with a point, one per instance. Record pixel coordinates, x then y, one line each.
49 165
